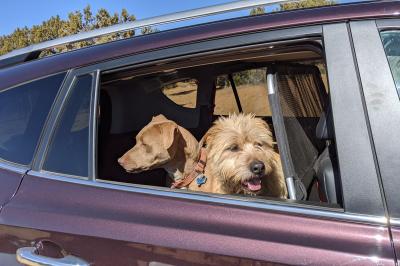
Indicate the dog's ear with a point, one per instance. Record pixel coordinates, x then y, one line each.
206 139
159 118
170 134
202 142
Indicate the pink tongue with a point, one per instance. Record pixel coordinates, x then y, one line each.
254 184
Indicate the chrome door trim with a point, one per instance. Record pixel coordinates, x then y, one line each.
286 206
395 222
20 169
94 99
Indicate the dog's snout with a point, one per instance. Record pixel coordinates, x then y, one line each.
257 167
121 161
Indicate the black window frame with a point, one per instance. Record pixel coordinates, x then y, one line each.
351 202
383 112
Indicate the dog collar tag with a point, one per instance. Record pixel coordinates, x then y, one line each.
201 179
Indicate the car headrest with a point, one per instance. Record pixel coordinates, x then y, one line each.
324 129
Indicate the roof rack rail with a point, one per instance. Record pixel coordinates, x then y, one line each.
33 51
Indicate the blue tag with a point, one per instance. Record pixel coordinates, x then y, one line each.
201 179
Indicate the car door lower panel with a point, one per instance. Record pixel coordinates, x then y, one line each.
107 226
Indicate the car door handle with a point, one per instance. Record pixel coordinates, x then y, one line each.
29 256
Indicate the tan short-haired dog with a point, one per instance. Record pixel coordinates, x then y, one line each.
241 159
164 144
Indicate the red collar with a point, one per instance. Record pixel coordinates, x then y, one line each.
198 169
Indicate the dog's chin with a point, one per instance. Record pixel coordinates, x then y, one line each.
252 185
137 170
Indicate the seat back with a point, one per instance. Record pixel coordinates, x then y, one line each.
325 166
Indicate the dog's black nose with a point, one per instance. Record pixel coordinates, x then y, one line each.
257 167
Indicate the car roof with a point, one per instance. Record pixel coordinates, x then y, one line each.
85 56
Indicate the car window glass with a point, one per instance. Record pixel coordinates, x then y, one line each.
225 102
23 111
182 92
252 90
391 44
68 151
134 103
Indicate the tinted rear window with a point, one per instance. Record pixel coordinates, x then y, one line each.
69 150
23 111
391 43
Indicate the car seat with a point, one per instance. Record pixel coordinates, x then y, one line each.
326 164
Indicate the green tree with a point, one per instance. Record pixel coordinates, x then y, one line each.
306 4
257 11
77 22
88 18
294 5
148 29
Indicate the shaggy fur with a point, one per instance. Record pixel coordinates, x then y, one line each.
233 145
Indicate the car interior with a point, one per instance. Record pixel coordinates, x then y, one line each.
194 91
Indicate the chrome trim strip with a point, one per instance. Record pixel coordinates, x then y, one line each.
92 161
395 222
290 187
273 205
20 169
270 84
163 19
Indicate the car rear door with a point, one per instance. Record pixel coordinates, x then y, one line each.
377 47
23 112
62 212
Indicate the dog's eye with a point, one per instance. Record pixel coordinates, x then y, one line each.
233 148
147 147
258 144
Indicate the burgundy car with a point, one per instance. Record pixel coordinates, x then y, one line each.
326 80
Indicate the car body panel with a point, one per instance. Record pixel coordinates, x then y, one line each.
54 64
111 224
113 215
100 251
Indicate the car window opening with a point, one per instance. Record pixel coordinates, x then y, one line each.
195 94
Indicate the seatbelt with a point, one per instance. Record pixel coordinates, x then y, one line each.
233 86
291 177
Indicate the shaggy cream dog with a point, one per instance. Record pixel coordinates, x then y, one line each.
241 158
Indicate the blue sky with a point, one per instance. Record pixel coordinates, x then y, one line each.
20 13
